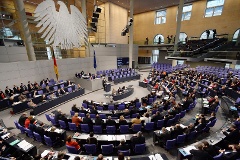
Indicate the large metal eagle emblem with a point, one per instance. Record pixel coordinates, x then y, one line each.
61 28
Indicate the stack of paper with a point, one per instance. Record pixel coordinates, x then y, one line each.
120 137
152 157
24 145
158 157
45 153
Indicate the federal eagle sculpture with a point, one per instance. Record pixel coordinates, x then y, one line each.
61 28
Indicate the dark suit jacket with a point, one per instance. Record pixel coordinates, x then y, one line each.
87 121
110 122
233 136
123 147
92 140
200 155
94 112
21 120
231 156
137 140
123 122
212 150
98 121
40 131
199 127
75 109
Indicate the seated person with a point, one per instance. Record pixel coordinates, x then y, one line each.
22 119
164 136
177 130
122 146
54 136
122 121
98 120
110 122
77 120
234 152
62 91
94 111
88 120
213 116
146 118
72 143
137 139
120 90
27 121
136 120
91 139
2 95
123 88
190 128
200 154
74 108
210 149
200 126
145 80
156 117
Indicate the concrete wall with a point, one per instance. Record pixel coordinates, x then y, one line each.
121 50
17 72
10 53
162 56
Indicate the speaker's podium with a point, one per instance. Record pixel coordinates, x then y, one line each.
107 87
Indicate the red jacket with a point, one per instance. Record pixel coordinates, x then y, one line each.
73 144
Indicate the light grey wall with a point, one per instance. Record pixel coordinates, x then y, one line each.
17 72
121 50
11 53
162 55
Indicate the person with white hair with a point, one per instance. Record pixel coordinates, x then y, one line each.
137 139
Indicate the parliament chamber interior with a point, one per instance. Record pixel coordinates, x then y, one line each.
119 79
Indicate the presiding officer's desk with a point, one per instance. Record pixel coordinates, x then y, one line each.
126 93
42 107
88 84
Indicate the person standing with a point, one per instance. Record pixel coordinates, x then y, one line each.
208 33
159 40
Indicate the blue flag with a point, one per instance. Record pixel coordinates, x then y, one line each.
94 61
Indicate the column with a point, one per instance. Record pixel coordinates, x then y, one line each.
23 24
84 13
131 35
179 20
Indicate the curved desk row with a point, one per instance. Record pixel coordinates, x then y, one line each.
123 79
42 107
125 94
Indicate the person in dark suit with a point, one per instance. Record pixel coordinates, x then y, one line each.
22 119
91 139
74 108
200 154
200 126
87 120
232 154
122 121
211 150
94 111
110 122
98 120
176 131
189 129
40 130
137 139
122 146
213 116
8 91
54 136
157 117
104 81
57 115
232 136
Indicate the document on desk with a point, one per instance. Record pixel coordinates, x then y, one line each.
182 126
152 157
58 130
158 157
103 137
188 149
110 137
24 145
45 153
120 137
